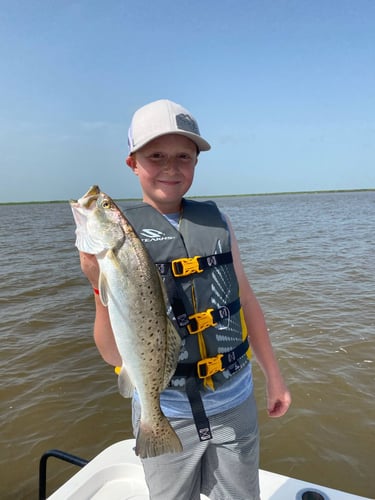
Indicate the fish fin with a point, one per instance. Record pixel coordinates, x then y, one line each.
125 383
103 287
172 352
152 442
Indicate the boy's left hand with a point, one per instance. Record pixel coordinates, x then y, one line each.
278 399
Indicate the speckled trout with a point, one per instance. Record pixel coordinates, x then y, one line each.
131 287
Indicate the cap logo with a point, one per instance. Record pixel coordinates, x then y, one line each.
186 122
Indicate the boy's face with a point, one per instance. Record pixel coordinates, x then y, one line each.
165 167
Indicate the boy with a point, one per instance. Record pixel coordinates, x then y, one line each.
210 400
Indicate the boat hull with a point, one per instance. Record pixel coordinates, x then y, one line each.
117 473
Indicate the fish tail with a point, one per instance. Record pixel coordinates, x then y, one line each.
158 440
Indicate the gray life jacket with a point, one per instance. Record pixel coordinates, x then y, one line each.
197 268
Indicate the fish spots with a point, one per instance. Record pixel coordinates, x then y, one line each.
137 311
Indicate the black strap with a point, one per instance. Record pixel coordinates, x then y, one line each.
230 359
204 263
229 362
218 314
173 284
201 421
193 384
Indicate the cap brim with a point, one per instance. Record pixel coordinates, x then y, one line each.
197 139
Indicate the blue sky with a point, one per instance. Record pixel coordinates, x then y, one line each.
283 90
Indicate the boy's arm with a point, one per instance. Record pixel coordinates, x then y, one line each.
278 395
103 334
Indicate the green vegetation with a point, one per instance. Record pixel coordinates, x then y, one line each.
205 197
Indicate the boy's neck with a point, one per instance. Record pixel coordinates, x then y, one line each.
166 208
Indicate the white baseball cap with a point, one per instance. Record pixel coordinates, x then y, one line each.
160 118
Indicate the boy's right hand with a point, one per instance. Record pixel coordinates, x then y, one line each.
90 268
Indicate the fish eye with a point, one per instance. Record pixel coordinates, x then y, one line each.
106 204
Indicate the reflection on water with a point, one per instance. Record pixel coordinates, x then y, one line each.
310 259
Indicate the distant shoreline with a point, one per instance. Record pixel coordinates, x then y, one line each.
206 196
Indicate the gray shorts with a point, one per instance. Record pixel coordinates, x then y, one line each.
223 468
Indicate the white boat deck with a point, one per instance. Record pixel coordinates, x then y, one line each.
117 474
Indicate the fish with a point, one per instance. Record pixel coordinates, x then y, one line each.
132 289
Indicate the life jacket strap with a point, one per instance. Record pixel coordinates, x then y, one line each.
209 366
206 368
211 317
190 265
201 421
226 361
200 321
186 266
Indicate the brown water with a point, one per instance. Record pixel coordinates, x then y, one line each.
310 259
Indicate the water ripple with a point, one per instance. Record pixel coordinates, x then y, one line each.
310 259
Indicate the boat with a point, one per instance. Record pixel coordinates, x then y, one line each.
117 473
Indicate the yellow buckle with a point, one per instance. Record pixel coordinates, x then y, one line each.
203 320
211 365
189 265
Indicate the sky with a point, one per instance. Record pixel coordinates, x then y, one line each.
284 91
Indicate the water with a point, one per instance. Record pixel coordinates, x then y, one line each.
310 259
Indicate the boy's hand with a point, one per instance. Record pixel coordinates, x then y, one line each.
278 399
90 268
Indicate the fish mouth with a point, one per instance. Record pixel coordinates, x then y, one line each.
87 199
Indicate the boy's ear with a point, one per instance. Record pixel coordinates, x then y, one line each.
131 162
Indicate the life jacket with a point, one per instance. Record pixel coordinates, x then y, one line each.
196 265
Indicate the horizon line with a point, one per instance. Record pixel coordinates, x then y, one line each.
315 191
